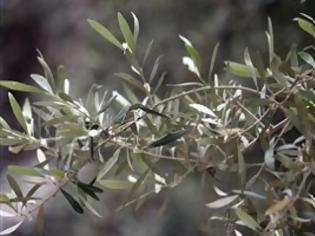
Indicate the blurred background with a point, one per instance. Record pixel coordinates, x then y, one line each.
59 30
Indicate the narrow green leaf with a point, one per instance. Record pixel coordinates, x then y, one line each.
249 221
21 170
115 184
105 33
17 111
192 51
307 58
306 26
48 74
241 70
155 68
18 86
108 165
126 31
75 205
15 186
167 139
57 173
131 80
33 190
147 52
212 62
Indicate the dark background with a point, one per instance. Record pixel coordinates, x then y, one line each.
59 30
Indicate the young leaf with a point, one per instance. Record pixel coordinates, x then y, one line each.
105 33
18 86
75 205
155 68
126 31
135 27
222 202
167 139
17 111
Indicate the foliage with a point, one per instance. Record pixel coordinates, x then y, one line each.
254 122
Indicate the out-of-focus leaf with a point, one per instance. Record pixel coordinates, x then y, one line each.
108 165
136 185
147 52
57 173
306 25
307 58
115 184
131 80
105 33
155 68
203 109
270 38
212 62
15 186
167 139
241 70
222 202
126 31
31 192
11 229
21 170
75 205
277 74
249 221
18 86
17 111
241 167
40 224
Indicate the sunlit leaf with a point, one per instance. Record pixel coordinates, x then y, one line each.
42 82
222 202
126 31
105 33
